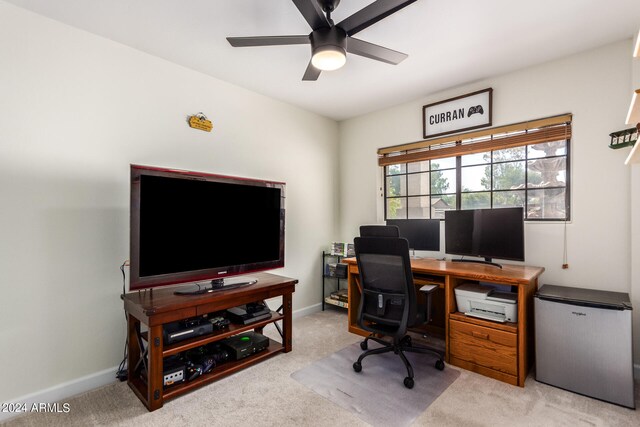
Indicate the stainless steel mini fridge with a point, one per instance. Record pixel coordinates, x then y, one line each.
583 342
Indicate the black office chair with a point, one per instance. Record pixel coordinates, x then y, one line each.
388 304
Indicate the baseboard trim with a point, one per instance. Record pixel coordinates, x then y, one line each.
60 392
301 312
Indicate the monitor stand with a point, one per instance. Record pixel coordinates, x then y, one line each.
477 261
412 254
219 285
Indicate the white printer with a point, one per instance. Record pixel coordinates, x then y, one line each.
487 303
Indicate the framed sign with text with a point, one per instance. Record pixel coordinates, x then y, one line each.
465 112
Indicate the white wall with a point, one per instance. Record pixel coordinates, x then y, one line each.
75 111
594 86
635 215
635 254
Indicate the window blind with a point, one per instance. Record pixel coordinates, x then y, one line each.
515 135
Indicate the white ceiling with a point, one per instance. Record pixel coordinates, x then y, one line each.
449 42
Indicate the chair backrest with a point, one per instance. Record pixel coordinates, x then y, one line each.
388 294
379 231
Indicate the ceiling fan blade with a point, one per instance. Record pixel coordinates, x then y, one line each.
312 13
267 40
371 14
373 51
312 73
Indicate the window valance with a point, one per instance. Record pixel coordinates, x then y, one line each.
515 135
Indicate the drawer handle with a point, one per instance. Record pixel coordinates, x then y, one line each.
480 335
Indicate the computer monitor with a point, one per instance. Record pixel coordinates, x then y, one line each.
422 234
488 233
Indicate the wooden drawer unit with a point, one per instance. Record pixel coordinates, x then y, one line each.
484 350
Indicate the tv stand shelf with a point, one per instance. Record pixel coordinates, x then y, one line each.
233 329
223 370
155 308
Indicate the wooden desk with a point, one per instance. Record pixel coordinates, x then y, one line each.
503 351
156 308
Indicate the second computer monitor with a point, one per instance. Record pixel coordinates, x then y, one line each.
422 234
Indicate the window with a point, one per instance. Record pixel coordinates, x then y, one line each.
532 175
420 189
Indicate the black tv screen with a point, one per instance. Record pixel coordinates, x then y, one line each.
422 234
488 233
189 226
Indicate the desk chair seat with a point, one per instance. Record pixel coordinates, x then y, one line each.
388 305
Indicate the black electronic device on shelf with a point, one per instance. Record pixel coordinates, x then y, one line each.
218 352
249 313
219 322
243 345
185 329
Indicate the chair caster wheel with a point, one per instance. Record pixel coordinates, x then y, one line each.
357 366
363 345
407 341
408 382
439 365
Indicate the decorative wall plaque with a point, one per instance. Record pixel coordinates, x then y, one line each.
200 121
457 114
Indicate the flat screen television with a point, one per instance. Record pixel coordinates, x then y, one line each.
192 226
422 234
487 233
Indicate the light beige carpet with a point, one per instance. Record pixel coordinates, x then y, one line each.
266 395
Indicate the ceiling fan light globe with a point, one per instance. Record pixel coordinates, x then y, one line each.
329 58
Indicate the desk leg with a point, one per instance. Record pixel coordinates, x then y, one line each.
154 392
450 307
287 322
526 332
354 296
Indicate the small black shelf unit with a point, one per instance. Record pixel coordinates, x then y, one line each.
330 282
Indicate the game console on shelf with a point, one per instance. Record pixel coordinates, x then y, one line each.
246 344
174 371
194 327
184 329
249 313
485 302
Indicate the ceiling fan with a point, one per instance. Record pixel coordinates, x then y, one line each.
330 42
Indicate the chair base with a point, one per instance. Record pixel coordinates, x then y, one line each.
398 346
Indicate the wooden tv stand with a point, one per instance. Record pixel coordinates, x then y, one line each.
155 308
503 351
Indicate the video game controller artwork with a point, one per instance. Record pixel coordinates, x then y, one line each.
462 113
473 110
